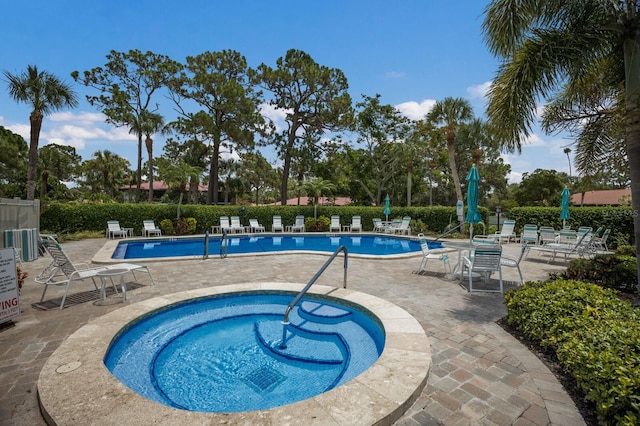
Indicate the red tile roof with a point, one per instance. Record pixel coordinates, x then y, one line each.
608 197
322 201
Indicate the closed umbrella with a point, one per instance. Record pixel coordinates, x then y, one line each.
564 214
473 215
387 209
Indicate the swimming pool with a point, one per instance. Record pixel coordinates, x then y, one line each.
372 245
228 353
74 384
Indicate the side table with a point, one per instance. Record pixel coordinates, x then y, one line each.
111 274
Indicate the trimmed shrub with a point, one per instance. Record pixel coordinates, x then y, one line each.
607 270
595 336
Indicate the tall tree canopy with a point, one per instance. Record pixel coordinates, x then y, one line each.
45 93
127 84
556 51
218 82
313 97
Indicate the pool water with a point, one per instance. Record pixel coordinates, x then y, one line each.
366 245
227 354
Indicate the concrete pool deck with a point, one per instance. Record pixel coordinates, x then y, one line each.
479 373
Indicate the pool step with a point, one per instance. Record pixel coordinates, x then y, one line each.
321 313
301 345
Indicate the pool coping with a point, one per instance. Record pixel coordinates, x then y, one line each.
103 256
75 386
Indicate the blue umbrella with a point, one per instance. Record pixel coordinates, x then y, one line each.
473 215
564 214
387 210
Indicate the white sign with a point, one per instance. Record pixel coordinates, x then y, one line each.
9 297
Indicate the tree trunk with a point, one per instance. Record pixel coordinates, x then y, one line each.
149 143
454 169
36 124
139 171
286 168
212 190
43 184
409 177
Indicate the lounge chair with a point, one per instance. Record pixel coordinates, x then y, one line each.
403 227
114 230
578 248
356 224
600 243
254 226
276 224
427 254
547 235
225 225
149 229
506 233
377 225
529 234
335 224
236 226
298 226
61 271
485 261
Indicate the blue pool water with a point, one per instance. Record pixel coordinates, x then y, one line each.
225 353
366 244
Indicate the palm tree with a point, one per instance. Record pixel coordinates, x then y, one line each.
146 125
567 151
108 170
316 188
450 113
46 93
558 51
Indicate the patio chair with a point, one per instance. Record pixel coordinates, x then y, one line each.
114 230
403 227
356 224
236 226
377 225
225 225
485 261
18 257
547 235
335 224
149 229
600 243
62 272
529 234
276 224
298 226
506 233
428 254
512 262
255 226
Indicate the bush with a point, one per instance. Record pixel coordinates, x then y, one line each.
595 336
167 226
607 270
626 250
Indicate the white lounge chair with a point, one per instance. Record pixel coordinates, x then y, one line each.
254 226
276 224
578 248
236 226
114 230
298 226
61 271
403 227
427 254
547 235
485 261
225 225
600 243
506 233
149 229
377 225
356 224
512 262
335 224
529 234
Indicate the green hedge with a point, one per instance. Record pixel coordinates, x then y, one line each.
618 219
75 217
595 336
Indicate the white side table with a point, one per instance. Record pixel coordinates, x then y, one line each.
112 273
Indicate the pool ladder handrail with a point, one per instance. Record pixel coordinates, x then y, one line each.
285 318
224 246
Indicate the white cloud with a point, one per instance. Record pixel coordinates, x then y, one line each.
533 140
415 110
274 114
514 177
480 90
394 74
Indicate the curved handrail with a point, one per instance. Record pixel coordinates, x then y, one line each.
285 318
224 244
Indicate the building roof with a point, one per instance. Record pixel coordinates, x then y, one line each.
607 197
159 185
322 201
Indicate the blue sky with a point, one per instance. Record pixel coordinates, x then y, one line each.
411 52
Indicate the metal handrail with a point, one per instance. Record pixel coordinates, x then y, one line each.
224 246
285 318
450 231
